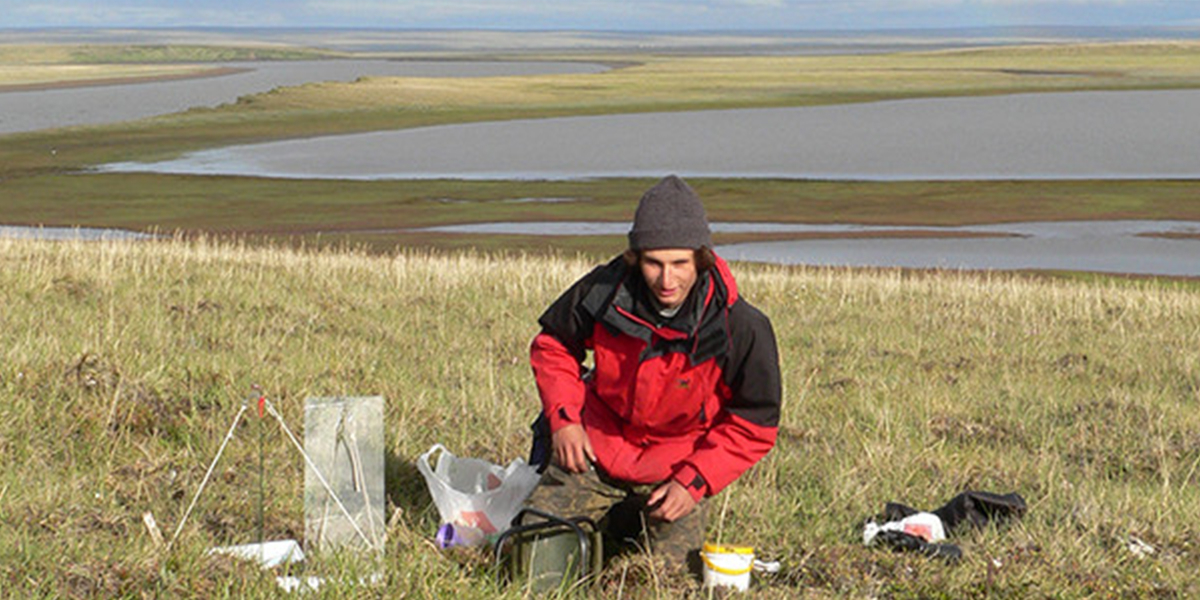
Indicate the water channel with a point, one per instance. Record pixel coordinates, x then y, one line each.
1077 135
31 110
1137 247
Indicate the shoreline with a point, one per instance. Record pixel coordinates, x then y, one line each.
728 244
206 73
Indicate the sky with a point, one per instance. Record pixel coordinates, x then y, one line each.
598 15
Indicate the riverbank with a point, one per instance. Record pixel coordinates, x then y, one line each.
385 215
98 78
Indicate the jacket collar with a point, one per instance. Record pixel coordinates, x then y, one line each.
621 303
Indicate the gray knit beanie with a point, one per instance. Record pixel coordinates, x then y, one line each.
670 215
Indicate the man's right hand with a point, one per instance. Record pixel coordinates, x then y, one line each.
572 449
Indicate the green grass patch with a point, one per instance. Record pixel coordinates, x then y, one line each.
377 214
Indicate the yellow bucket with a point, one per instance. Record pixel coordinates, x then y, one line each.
727 566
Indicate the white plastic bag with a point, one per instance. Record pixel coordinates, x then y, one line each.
924 525
476 493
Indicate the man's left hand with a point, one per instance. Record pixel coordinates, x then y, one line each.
671 501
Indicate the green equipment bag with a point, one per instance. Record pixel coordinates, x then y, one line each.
551 552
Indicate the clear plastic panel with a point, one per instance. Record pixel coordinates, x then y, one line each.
344 439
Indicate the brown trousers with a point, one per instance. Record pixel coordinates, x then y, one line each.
619 509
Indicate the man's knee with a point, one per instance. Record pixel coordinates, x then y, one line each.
678 542
567 494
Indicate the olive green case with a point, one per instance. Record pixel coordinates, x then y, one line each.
545 552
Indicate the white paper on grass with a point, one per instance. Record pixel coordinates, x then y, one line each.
267 554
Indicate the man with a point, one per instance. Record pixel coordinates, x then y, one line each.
684 392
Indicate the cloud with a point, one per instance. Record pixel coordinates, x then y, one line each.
530 14
754 3
1147 3
429 10
916 4
644 15
142 14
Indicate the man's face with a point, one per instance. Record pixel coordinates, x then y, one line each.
670 273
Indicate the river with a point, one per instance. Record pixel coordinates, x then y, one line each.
1076 135
31 110
1136 247
1131 247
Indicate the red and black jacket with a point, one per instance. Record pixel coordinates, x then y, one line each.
694 398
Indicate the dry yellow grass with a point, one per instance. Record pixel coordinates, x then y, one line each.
784 80
30 75
122 363
700 80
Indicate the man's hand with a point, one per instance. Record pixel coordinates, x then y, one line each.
673 501
572 449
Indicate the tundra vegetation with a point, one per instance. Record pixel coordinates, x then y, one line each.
27 66
124 363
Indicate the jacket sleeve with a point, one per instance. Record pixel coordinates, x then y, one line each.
558 352
746 428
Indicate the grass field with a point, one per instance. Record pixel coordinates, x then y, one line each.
103 56
31 66
124 363
375 214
